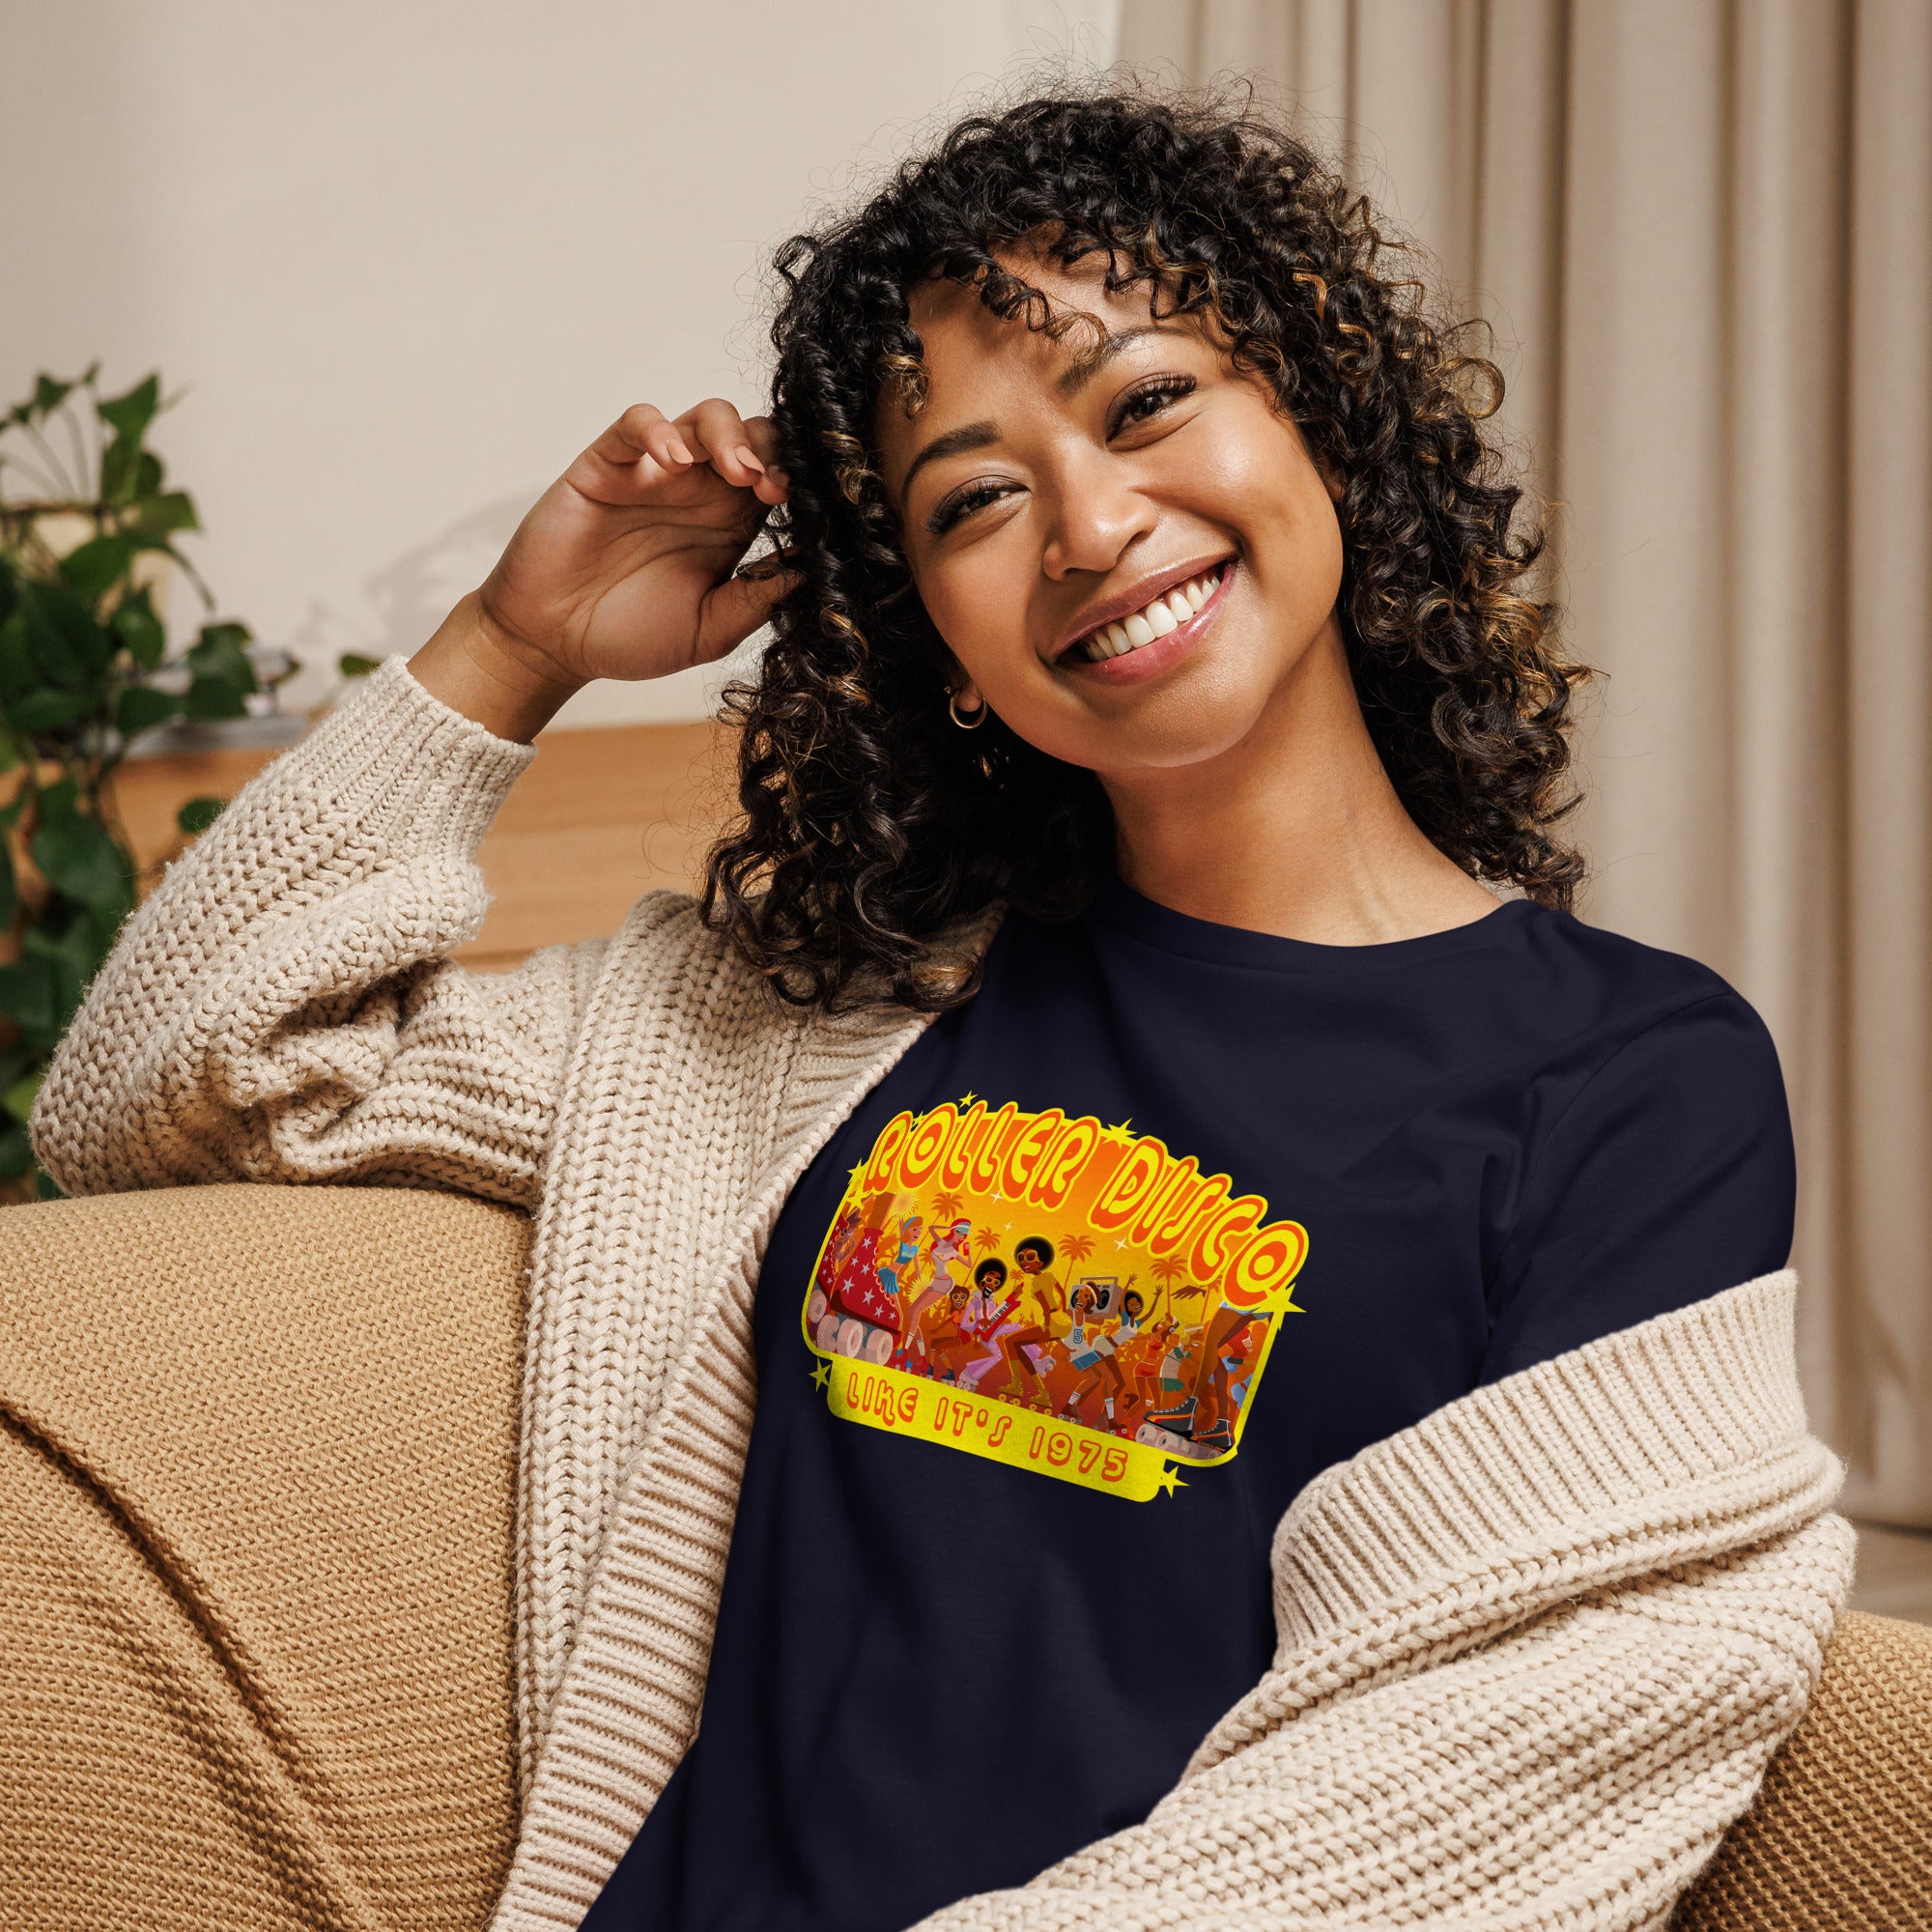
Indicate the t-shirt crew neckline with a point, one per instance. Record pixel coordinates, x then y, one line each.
1135 916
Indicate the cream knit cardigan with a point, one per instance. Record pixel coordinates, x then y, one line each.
1534 1652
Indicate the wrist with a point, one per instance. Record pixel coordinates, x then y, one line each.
474 666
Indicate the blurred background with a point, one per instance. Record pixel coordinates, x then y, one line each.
396 264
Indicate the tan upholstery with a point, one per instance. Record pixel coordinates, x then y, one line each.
1840 1838
255 1534
256 1447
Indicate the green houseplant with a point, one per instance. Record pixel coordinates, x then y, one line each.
88 531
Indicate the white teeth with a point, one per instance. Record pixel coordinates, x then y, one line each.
1165 615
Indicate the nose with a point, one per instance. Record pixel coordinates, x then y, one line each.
1095 513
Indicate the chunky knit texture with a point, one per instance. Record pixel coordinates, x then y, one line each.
1534 1652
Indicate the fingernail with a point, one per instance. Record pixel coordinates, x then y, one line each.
749 461
678 452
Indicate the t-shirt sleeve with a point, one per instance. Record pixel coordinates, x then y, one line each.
1669 1178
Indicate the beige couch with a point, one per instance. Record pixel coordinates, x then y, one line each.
256 1577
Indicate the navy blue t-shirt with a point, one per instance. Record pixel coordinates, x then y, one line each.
1167 1219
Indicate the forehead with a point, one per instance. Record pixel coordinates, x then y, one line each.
971 356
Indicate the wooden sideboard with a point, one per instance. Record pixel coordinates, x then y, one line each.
602 815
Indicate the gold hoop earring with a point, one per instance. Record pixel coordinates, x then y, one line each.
972 721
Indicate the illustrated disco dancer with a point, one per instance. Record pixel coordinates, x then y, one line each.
943 1336
849 1311
986 1315
949 1245
1204 1414
896 1275
1097 1360
1040 1326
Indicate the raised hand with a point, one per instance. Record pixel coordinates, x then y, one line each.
626 567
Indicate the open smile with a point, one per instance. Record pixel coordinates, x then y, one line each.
1144 641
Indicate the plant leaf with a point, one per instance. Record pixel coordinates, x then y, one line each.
30 997
222 651
70 958
351 663
198 814
17 1152
223 676
79 857
91 570
18 1099
172 511
131 415
9 895
215 697
141 707
68 645
46 710
16 661
121 471
137 627
49 395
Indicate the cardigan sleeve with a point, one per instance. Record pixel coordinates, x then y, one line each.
282 1007
1536 1654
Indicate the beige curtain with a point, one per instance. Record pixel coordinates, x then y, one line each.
1703 232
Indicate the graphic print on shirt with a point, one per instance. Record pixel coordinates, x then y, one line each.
1051 1294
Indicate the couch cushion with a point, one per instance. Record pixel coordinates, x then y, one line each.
257 1452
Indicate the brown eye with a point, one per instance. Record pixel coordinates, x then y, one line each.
1146 400
962 502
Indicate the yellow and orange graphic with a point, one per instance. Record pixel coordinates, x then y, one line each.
1051 1294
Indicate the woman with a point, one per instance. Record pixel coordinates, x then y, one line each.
1152 706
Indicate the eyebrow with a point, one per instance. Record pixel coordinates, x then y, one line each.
1096 359
954 442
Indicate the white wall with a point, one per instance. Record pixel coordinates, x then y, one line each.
407 256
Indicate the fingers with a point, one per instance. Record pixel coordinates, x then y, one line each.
736 608
644 446
744 453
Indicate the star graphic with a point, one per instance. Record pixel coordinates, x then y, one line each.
857 1172
1124 1131
1170 1480
821 1376
967 1099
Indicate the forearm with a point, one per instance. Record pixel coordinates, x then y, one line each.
282 1007
1536 1653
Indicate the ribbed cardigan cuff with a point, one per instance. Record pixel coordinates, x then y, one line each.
415 775
1549 1454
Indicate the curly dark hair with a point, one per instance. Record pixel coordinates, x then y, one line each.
869 823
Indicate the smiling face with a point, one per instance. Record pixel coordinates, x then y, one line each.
1125 546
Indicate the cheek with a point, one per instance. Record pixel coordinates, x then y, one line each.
978 602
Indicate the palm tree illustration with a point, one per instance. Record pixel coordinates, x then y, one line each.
947 1209
1076 1247
1167 1270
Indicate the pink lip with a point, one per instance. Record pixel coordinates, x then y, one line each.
1137 667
